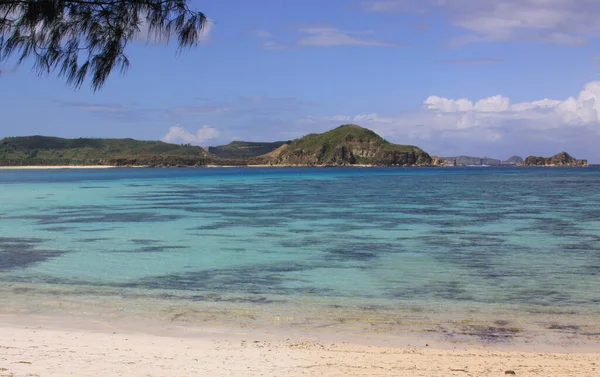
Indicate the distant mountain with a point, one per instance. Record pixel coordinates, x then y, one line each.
468 160
45 150
244 149
561 159
514 160
346 145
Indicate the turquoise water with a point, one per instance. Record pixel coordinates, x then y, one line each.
494 242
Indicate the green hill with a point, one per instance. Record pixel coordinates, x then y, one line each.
348 144
45 150
560 159
244 149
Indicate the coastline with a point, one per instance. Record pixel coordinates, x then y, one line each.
38 345
212 166
37 167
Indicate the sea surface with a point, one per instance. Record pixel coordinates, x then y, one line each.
494 253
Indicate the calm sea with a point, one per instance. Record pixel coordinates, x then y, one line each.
429 247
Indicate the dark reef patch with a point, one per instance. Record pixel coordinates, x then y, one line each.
300 242
346 255
543 297
139 241
18 253
498 332
362 251
92 240
561 327
249 222
59 228
151 249
98 230
115 217
445 290
17 240
138 185
251 280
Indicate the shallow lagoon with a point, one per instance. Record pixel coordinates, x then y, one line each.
492 253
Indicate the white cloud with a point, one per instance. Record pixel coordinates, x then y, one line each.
262 34
322 36
536 105
492 104
178 134
331 36
339 118
569 22
584 108
274 46
491 124
448 105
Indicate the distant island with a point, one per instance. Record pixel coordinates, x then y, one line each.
55 151
346 145
560 159
481 161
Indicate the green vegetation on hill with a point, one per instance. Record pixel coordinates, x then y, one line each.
560 159
244 149
44 150
348 144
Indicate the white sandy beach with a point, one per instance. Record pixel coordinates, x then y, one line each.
70 347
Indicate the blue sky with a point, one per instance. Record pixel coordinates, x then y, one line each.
474 77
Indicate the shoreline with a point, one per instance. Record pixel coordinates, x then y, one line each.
487 327
212 166
57 346
39 167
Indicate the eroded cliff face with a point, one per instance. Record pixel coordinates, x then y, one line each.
348 145
561 159
438 161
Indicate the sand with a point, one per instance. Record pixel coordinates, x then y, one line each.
70 347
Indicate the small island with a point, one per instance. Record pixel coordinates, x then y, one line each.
560 159
346 145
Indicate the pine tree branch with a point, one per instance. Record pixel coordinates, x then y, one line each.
86 39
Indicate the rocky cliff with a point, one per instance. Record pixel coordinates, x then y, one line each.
561 159
346 145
